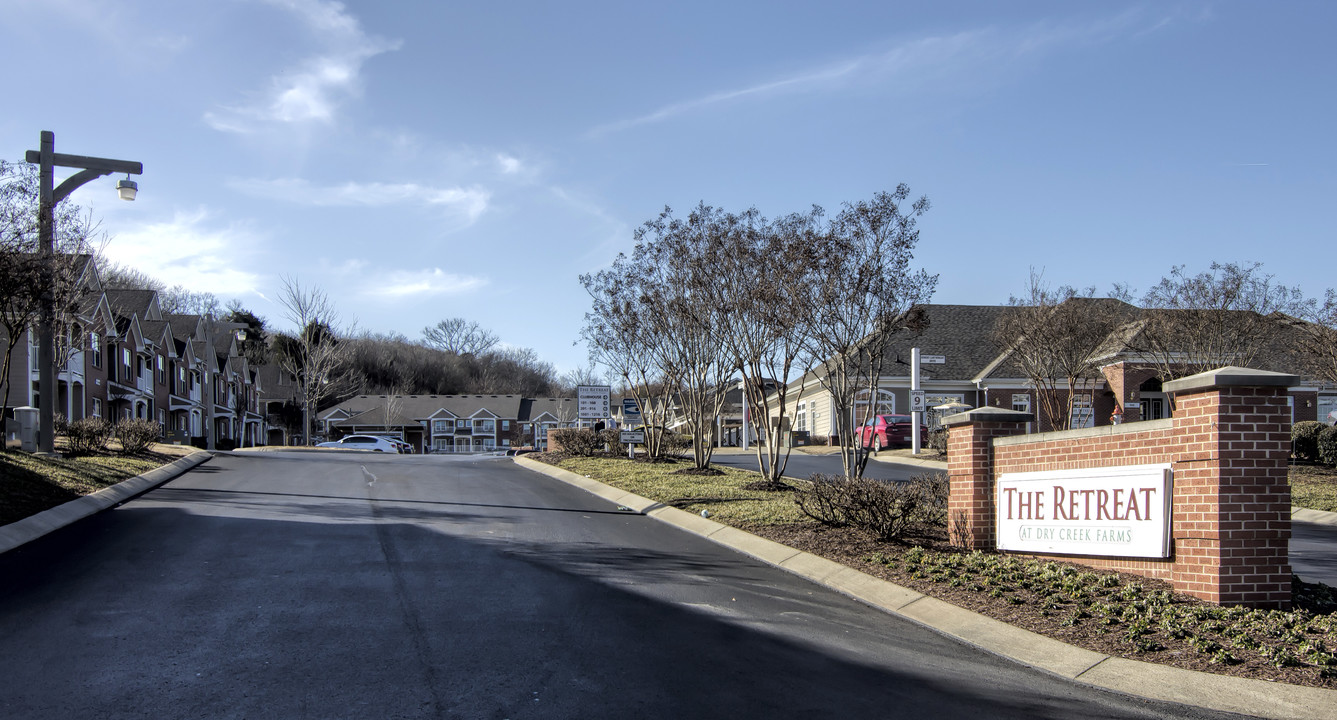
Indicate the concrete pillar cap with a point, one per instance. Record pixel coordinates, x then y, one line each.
1231 376
988 414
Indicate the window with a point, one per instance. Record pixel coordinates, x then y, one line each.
162 372
485 426
95 345
443 426
1083 416
505 425
801 417
97 407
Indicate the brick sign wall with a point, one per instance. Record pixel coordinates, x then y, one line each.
1227 448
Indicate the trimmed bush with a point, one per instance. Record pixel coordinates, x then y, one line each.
1327 445
88 435
1304 440
581 442
885 509
613 438
136 434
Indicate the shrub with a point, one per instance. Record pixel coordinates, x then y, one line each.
937 440
885 509
613 438
136 434
1304 439
1327 445
88 435
581 442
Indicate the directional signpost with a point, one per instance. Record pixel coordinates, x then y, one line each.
592 401
631 417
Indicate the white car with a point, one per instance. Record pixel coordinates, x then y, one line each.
363 442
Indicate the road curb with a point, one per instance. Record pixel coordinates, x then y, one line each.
48 521
1159 682
1318 517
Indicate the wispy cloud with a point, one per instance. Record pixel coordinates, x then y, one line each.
942 58
313 91
190 250
406 284
469 202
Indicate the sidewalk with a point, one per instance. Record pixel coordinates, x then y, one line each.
1217 692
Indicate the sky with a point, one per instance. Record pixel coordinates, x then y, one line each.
418 160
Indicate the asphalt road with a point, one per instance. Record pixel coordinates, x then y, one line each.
358 586
1314 552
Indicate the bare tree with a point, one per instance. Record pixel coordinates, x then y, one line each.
460 336
1315 338
862 290
618 339
1193 323
1052 336
756 285
26 275
315 354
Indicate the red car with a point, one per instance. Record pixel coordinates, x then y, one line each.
883 431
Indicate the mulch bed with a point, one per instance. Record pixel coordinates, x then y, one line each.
854 549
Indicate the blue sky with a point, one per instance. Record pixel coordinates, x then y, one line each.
424 160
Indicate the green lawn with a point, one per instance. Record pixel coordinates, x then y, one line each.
30 484
1314 486
723 495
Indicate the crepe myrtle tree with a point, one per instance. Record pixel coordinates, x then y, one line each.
617 333
676 258
757 271
1317 339
1218 317
861 291
1054 337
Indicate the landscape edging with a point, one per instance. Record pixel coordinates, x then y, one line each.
1132 677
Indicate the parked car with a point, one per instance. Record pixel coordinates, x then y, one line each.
363 442
885 431
404 448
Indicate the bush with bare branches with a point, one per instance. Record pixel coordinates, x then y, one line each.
136 434
88 435
882 508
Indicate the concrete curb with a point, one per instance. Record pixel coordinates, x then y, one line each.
35 526
1318 517
1131 677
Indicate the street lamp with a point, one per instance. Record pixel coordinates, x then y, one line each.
89 168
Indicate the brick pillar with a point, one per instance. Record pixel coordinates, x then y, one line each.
970 504
1232 501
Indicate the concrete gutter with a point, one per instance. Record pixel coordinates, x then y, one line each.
35 526
1216 692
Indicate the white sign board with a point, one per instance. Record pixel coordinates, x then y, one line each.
592 401
632 437
918 401
932 359
1114 511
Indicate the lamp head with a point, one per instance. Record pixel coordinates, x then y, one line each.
127 188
